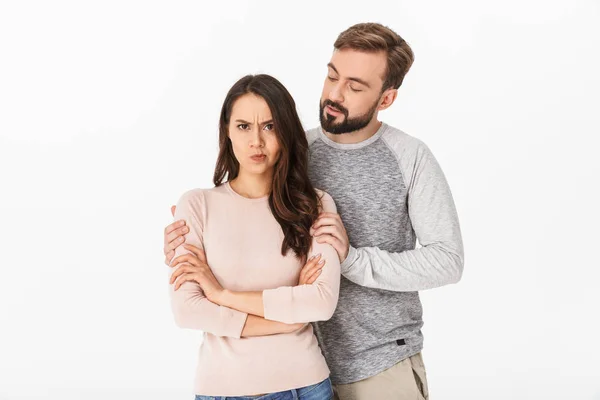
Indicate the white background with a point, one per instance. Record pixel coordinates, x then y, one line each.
108 113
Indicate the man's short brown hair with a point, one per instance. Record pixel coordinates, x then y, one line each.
374 37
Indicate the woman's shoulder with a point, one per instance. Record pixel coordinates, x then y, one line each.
326 201
191 201
202 195
193 194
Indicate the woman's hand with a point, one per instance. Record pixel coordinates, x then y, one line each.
193 267
311 270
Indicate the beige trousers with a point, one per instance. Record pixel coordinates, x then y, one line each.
404 381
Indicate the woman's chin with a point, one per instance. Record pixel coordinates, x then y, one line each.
257 169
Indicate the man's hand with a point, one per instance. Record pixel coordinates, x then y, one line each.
329 228
311 270
193 267
174 237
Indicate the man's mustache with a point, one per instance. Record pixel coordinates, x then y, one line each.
336 106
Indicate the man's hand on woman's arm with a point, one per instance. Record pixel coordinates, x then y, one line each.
174 237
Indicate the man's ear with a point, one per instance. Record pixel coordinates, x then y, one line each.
387 98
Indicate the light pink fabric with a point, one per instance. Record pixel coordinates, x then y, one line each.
242 241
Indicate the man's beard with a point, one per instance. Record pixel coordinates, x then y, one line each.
348 125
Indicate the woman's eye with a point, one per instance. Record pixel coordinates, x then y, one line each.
243 126
269 127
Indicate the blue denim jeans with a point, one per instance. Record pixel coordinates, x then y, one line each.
319 391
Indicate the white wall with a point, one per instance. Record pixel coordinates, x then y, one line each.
108 112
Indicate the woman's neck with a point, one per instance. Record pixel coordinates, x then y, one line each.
252 186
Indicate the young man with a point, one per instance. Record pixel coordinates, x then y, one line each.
389 191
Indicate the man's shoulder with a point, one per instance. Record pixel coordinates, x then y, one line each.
410 151
312 135
396 139
401 142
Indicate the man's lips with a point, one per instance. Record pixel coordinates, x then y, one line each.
332 111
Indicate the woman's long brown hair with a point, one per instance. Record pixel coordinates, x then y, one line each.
293 200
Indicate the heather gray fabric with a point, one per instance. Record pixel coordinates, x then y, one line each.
389 191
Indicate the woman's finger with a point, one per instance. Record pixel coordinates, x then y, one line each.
309 266
189 258
313 266
311 279
185 268
188 277
198 252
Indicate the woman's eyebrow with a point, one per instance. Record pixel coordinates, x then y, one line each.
241 121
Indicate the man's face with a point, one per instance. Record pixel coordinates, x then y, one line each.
352 90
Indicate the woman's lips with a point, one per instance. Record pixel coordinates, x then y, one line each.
259 157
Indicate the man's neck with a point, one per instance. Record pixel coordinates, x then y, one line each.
356 136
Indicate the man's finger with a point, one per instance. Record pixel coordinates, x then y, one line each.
333 241
169 257
174 225
181 231
328 230
173 245
175 238
326 221
173 235
330 215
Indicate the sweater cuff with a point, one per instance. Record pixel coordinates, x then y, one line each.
278 304
234 322
350 259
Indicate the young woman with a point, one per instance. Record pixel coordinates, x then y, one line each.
238 278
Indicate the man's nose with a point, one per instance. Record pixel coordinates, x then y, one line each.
336 94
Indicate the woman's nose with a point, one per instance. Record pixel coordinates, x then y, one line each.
256 139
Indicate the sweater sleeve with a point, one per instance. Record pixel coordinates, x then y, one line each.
308 303
435 222
191 309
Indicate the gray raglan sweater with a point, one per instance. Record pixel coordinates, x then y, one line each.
389 191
